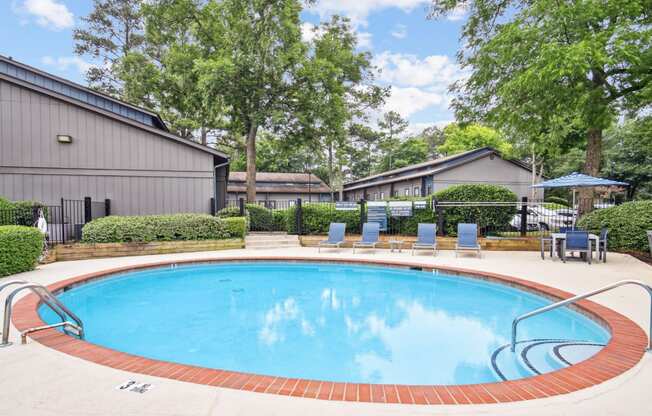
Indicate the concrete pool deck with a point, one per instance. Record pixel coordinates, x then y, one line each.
37 380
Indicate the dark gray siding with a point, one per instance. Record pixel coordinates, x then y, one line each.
141 172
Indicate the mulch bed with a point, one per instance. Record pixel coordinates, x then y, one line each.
644 257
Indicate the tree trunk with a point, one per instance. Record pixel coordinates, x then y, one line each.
330 169
591 167
251 163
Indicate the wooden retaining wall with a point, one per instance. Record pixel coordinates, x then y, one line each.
443 243
81 251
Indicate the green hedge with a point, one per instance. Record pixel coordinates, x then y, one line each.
487 218
116 229
20 248
19 212
316 219
236 227
627 225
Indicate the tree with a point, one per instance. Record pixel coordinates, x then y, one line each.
111 31
410 151
392 126
433 137
553 66
363 150
628 155
458 139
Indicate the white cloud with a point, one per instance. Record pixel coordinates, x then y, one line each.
48 13
62 63
437 71
410 100
364 40
308 32
399 32
358 10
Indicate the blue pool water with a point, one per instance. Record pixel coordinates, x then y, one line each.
320 321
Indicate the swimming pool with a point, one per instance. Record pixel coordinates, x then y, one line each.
324 321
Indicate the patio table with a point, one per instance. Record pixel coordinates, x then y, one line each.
594 239
395 244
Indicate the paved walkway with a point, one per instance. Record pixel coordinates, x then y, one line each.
35 380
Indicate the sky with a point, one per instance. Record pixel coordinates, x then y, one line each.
414 55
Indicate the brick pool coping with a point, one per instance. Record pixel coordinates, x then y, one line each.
624 350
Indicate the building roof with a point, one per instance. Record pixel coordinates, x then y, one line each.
62 89
430 167
278 182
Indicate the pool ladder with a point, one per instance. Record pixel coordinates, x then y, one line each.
48 298
574 299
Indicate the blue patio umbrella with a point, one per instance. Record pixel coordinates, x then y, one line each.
578 180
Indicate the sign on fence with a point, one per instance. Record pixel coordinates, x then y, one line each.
420 204
346 206
400 208
377 212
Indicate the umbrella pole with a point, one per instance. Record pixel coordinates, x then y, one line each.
574 209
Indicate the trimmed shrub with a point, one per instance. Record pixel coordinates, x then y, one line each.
20 248
409 225
228 212
487 218
316 218
236 227
260 218
279 219
26 212
557 200
118 229
6 212
627 224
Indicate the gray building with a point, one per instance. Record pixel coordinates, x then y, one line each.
59 140
479 166
280 186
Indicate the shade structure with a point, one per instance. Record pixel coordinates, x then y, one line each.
578 180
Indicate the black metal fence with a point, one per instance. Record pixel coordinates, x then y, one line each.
494 218
64 220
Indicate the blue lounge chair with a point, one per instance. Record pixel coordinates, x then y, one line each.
426 238
370 234
335 236
467 239
577 241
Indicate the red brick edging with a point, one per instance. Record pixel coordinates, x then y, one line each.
625 349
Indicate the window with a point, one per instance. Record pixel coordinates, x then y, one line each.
375 196
428 189
382 195
417 191
407 191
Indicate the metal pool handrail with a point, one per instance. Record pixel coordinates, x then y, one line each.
565 302
48 298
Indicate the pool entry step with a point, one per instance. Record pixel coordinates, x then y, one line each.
540 356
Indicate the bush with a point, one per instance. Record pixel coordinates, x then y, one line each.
557 200
228 212
409 225
627 225
487 218
117 229
279 219
20 248
316 218
260 218
6 212
236 227
20 212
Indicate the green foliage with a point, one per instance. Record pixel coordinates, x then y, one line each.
544 69
6 212
20 248
117 229
260 218
627 225
229 212
316 219
462 139
409 225
280 219
20 212
236 227
628 155
485 217
557 200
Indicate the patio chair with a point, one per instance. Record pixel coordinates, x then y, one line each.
335 236
426 238
577 241
467 239
545 240
370 234
602 245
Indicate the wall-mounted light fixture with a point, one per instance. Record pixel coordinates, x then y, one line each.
64 138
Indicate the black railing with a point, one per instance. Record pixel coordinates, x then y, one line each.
64 220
